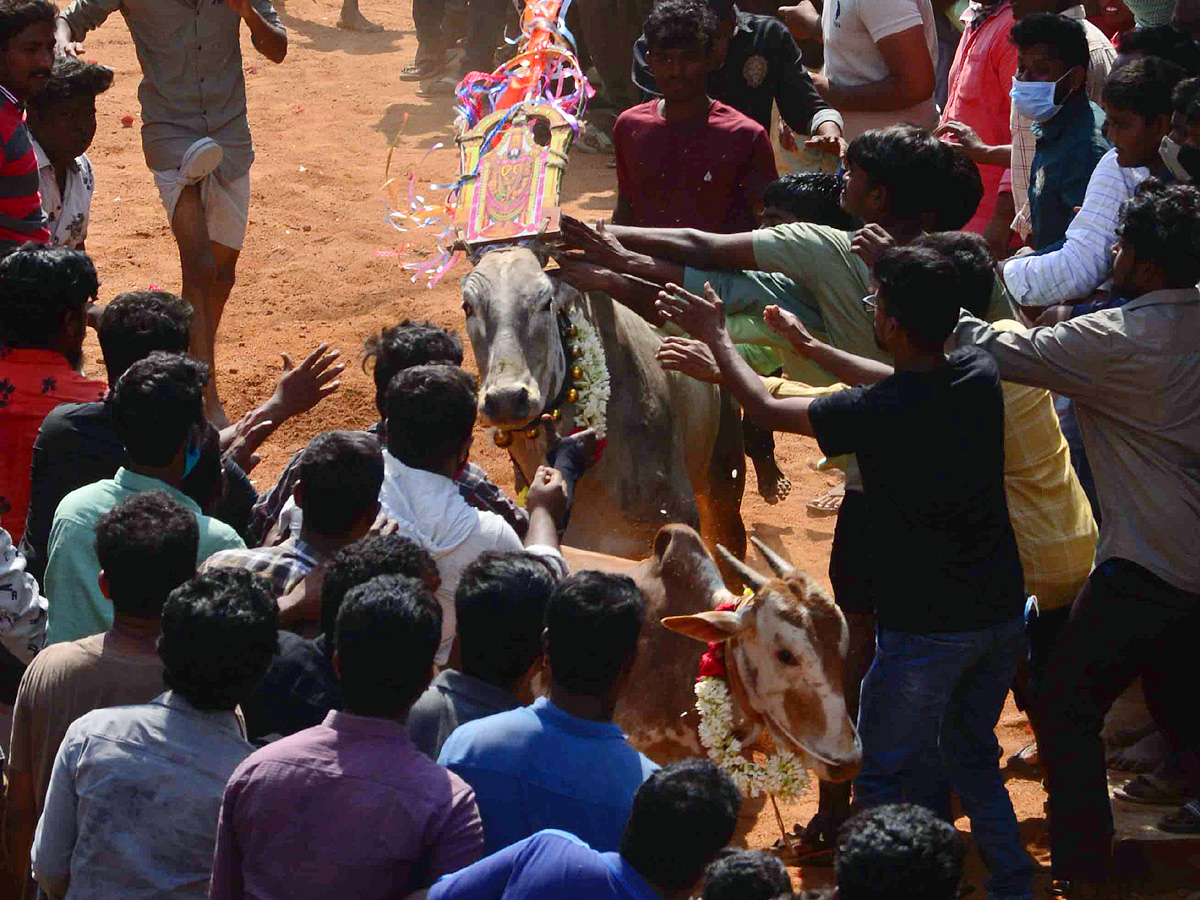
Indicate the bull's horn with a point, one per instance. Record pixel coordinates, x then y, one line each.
778 564
755 579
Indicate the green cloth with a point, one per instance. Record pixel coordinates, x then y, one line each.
1151 12
746 295
1068 147
77 608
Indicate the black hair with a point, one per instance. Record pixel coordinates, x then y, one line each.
1185 99
136 323
912 290
71 77
406 345
40 286
594 620
367 558
1143 86
340 474
388 631
745 875
973 264
961 193
1161 223
1066 38
905 160
1169 42
500 604
218 635
147 547
682 816
430 413
156 403
898 850
680 24
17 15
810 197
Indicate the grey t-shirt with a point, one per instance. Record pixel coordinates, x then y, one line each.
450 700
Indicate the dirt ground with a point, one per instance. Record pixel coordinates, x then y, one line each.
316 267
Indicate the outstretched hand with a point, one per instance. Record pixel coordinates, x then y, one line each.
870 241
302 387
583 275
966 136
789 327
689 356
594 244
701 317
241 440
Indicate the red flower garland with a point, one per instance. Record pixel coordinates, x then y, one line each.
712 663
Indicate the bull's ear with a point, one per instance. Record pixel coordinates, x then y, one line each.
706 626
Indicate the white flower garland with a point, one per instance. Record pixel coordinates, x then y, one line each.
783 775
593 384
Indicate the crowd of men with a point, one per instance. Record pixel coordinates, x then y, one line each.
988 319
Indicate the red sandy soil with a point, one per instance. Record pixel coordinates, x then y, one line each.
311 271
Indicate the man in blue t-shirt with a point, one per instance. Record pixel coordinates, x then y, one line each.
562 762
929 437
681 818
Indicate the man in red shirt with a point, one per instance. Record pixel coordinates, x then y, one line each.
980 80
26 57
44 294
688 160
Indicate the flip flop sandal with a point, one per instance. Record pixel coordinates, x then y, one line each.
200 160
817 509
1151 791
1020 763
424 69
1185 820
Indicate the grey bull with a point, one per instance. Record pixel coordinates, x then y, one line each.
674 449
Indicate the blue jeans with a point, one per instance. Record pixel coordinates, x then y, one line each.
927 719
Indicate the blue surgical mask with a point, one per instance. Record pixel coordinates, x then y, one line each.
1182 160
192 456
1035 99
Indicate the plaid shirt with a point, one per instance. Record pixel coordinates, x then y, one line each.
473 483
284 565
1101 54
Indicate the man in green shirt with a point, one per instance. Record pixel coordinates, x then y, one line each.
158 407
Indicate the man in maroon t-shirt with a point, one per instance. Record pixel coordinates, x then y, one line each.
687 160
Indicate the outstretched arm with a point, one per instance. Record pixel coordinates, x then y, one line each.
634 250
704 319
847 367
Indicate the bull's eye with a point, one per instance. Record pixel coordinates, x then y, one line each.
467 308
787 658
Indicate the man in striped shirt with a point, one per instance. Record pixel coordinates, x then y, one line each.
26 56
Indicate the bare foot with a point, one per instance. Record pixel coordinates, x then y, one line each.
773 485
1144 756
829 503
358 22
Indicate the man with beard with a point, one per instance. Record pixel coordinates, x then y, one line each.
26 55
44 295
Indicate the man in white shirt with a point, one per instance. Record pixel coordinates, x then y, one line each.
879 63
62 121
430 414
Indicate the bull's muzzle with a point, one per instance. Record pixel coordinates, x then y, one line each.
512 404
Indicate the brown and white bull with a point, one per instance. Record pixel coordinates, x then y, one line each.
674 449
784 650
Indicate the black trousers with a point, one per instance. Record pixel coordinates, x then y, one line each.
485 26
1125 622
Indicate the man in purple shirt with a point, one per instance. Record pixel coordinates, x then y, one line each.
350 808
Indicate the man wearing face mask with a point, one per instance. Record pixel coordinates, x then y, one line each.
1049 88
1180 150
158 408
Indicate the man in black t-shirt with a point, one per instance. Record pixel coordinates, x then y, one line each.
930 443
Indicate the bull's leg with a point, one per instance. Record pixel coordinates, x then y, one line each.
721 500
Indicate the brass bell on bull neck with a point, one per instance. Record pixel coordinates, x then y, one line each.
576 372
502 438
572 395
533 432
